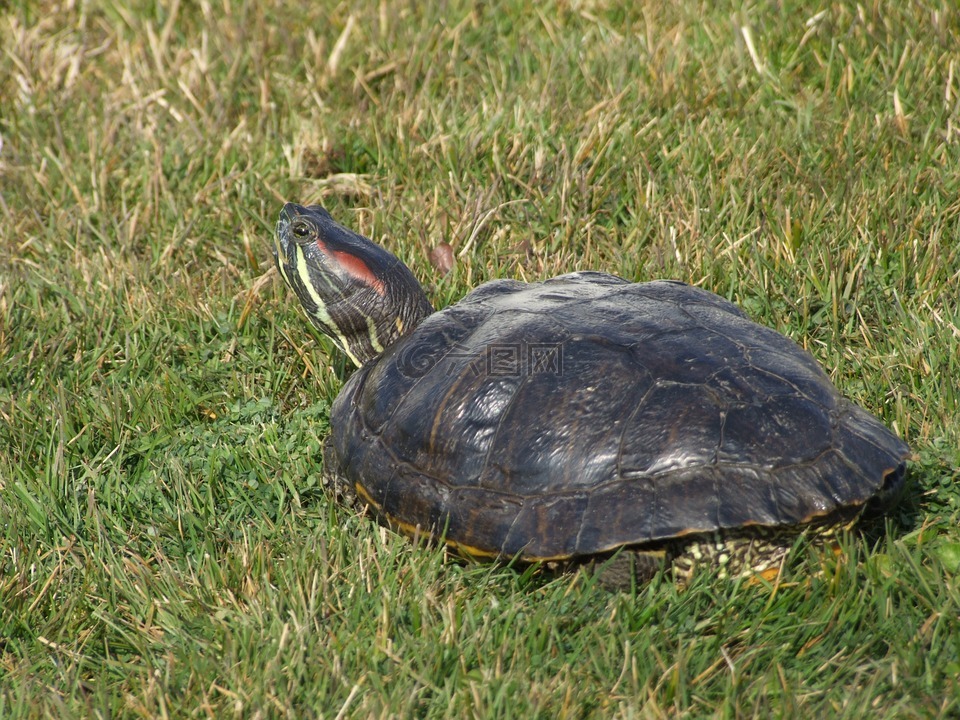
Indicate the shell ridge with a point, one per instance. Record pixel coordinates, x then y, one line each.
513 524
627 423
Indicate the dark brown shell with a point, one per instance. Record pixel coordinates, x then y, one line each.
571 417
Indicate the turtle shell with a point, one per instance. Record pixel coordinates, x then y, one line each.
569 418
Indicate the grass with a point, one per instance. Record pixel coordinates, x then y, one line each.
167 548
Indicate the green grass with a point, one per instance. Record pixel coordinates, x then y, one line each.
167 548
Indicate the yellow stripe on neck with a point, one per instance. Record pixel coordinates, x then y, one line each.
374 340
322 314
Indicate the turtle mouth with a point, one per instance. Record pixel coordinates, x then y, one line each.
280 240
289 254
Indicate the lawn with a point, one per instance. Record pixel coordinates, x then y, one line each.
167 548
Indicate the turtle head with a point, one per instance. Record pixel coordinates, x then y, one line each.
353 290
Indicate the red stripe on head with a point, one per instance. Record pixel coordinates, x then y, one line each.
357 268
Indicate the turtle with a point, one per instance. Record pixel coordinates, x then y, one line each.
581 421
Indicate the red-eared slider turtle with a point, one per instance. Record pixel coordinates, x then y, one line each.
564 420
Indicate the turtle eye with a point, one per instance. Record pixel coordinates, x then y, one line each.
300 230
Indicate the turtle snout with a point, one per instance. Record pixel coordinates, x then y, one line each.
290 211
281 238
